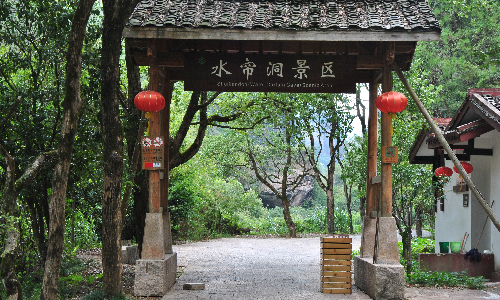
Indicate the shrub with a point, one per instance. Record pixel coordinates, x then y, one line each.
446 279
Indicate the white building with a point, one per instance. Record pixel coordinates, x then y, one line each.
474 134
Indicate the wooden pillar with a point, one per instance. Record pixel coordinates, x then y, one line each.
372 190
372 149
153 246
164 132
386 139
154 128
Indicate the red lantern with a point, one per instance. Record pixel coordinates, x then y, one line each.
443 171
391 102
468 167
149 101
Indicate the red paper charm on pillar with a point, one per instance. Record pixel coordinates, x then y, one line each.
468 167
149 101
391 102
443 171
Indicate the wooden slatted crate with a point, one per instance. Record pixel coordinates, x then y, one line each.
336 264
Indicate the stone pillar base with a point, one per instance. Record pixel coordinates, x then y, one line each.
368 236
379 281
387 250
153 244
154 277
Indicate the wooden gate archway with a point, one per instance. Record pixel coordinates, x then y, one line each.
359 39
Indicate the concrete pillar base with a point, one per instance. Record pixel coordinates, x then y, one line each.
154 277
368 236
387 250
379 281
153 245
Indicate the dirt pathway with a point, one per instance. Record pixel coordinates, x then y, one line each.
275 268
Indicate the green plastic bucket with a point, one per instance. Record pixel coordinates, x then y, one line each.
444 247
455 247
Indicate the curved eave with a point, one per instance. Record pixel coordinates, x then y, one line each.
187 33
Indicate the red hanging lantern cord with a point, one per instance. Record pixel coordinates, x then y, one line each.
391 103
149 102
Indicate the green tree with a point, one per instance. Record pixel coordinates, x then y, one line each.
10 209
71 104
325 116
116 14
274 151
466 56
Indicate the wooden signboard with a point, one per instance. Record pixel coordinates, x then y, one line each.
389 155
152 150
269 73
336 265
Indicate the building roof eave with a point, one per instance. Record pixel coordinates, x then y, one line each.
186 33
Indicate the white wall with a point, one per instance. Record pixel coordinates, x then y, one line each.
481 177
455 220
494 140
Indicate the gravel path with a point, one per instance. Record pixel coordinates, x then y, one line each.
274 268
246 268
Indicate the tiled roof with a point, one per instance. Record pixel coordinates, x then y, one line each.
487 102
391 15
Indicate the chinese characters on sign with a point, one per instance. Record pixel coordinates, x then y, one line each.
273 73
152 153
301 69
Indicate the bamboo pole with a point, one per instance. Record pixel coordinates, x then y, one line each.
448 150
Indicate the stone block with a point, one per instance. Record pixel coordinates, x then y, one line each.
379 281
130 254
495 277
124 255
193 286
387 251
154 277
368 236
153 245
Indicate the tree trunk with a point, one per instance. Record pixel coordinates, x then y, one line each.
11 212
360 110
288 218
38 224
362 208
407 249
349 211
419 221
141 203
116 12
71 104
348 198
330 210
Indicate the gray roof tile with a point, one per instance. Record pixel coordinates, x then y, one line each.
398 15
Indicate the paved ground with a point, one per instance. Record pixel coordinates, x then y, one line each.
275 268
